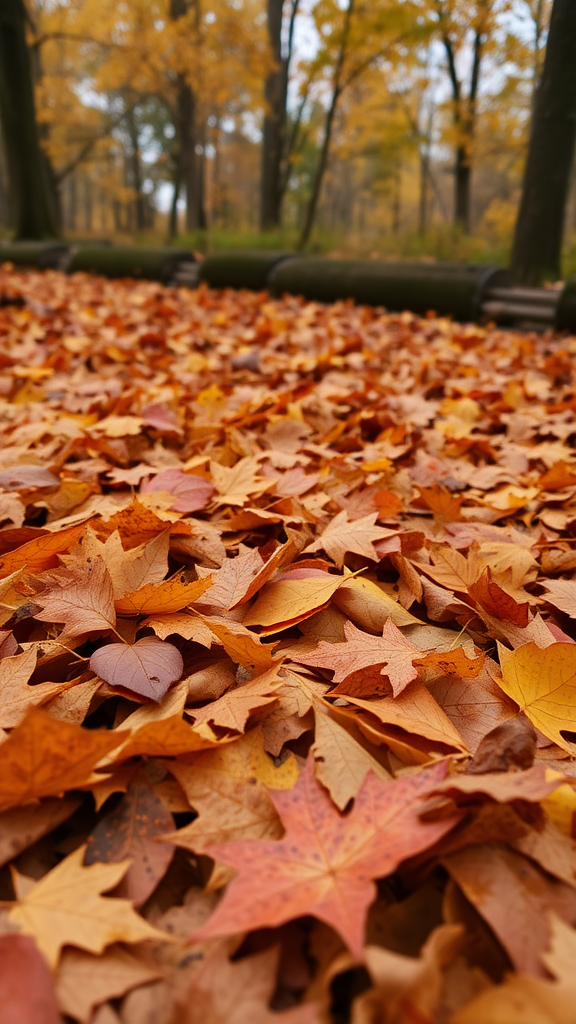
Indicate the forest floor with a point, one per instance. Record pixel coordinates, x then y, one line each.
287 676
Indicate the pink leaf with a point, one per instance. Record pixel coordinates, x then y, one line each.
147 667
191 492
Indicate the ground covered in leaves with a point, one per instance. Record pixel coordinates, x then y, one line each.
287 676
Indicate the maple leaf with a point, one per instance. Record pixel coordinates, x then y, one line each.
361 651
168 737
147 667
130 570
83 599
326 864
231 582
235 484
227 809
497 602
65 908
264 449
414 711
187 625
233 709
343 535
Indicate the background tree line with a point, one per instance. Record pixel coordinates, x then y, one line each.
368 125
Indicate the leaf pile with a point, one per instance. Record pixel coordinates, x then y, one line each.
287 662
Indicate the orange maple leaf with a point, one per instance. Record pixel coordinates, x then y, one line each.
326 864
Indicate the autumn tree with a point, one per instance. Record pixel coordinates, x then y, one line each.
34 214
540 225
353 41
460 25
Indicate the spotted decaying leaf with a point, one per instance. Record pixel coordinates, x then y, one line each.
287 662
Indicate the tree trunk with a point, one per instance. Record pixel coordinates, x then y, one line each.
136 172
423 190
34 213
463 174
88 209
191 163
274 123
537 248
173 218
72 202
310 216
397 201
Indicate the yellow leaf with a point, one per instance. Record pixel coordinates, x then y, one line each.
543 684
369 607
287 601
162 598
65 908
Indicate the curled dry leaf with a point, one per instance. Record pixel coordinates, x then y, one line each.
148 667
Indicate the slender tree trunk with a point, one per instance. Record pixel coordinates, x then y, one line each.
397 201
173 219
4 203
423 187
88 204
201 187
33 205
191 175
277 142
462 192
310 215
72 202
136 172
536 252
464 109
274 122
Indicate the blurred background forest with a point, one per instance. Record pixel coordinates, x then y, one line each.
389 127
